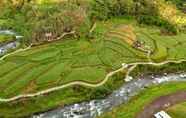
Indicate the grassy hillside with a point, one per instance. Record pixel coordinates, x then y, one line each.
177 111
6 38
62 62
56 59
58 63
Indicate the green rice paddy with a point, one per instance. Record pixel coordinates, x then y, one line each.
61 62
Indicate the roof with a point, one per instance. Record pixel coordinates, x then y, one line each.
161 114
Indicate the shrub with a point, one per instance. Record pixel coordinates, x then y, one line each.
70 18
105 9
35 20
7 38
157 21
101 9
179 3
6 10
150 12
144 7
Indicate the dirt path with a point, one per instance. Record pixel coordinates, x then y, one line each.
129 67
162 103
124 66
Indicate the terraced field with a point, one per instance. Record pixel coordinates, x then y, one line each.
62 62
164 47
50 65
58 63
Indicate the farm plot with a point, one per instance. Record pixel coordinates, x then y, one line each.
50 65
59 63
163 47
62 62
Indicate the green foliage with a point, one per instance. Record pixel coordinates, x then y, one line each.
179 3
105 9
58 63
21 21
135 105
144 7
36 20
6 38
157 21
100 9
66 18
144 10
6 10
150 20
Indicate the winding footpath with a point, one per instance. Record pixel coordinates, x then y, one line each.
129 67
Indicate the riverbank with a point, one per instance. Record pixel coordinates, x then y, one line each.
127 92
162 103
145 97
9 45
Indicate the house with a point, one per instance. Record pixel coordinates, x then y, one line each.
126 33
161 114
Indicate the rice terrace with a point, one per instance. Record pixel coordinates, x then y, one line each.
57 57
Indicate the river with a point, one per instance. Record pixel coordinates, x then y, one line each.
4 48
95 108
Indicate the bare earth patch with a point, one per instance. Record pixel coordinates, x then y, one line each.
162 103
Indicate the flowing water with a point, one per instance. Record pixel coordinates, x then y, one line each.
4 48
95 108
9 32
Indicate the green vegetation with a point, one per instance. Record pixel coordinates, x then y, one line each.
179 3
135 105
39 23
84 41
6 38
160 52
177 111
61 62
26 107
151 12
